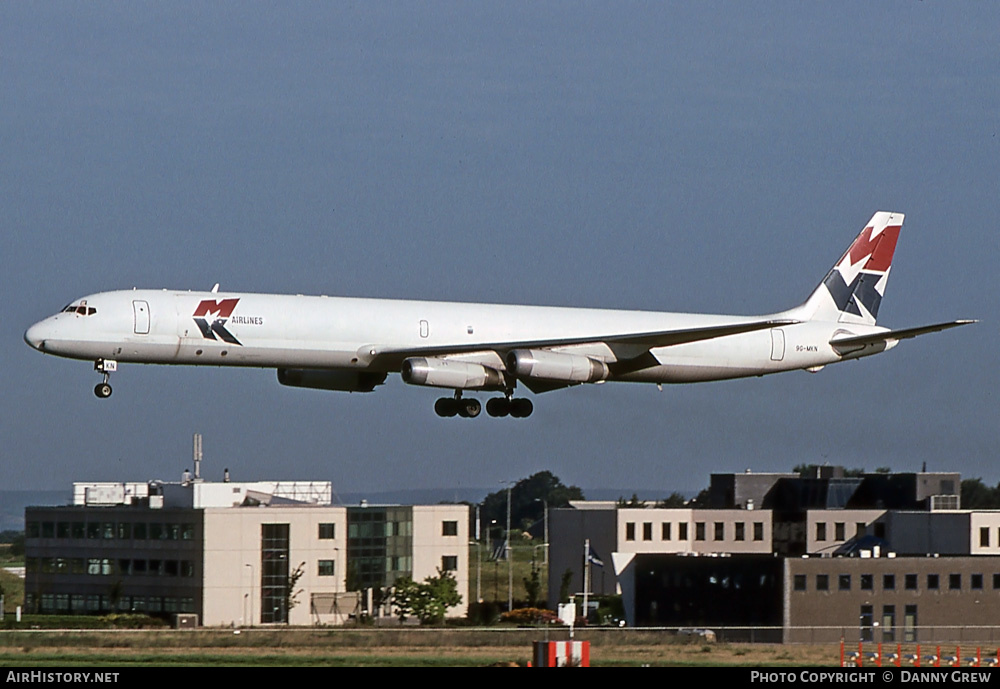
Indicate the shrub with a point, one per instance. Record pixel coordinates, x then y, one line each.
530 616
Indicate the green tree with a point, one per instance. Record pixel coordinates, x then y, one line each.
633 502
527 499
428 601
291 595
564 584
533 587
978 496
700 501
672 500
404 592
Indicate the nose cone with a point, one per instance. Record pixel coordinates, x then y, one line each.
36 335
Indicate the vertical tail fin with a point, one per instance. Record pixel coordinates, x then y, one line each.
852 291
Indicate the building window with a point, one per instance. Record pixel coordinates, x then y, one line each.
867 615
996 580
327 532
665 531
910 582
933 582
984 537
860 529
955 582
822 582
647 531
800 582
889 582
274 544
327 568
844 582
741 531
682 531
976 581
910 623
867 582
888 623
839 531
699 531
630 531
758 531
449 528
820 531
720 531
449 563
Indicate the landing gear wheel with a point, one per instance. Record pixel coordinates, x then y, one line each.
445 406
469 408
498 406
102 390
521 408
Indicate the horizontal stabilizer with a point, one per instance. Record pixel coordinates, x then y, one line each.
843 345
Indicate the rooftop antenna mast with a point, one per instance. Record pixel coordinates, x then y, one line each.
197 456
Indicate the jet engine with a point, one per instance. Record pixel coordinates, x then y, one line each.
446 373
330 379
548 365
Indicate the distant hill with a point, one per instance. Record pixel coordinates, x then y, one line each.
13 502
432 496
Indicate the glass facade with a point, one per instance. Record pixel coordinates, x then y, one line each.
379 546
85 560
274 573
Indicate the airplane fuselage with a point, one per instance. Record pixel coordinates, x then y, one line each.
285 331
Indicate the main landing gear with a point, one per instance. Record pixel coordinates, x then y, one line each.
105 366
471 408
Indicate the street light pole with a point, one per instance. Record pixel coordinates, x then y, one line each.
247 564
510 556
479 556
545 534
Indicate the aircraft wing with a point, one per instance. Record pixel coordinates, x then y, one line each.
625 345
844 345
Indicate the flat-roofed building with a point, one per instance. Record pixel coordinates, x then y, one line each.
235 554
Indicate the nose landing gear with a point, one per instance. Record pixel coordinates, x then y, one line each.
105 366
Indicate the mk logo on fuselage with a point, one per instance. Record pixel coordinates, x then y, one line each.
220 311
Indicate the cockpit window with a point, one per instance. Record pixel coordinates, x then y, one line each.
80 309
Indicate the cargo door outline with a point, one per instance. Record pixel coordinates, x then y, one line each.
777 344
140 308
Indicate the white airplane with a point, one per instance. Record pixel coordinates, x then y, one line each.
351 345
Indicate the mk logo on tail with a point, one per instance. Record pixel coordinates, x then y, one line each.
221 310
857 282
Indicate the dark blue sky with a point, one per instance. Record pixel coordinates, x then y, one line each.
710 157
